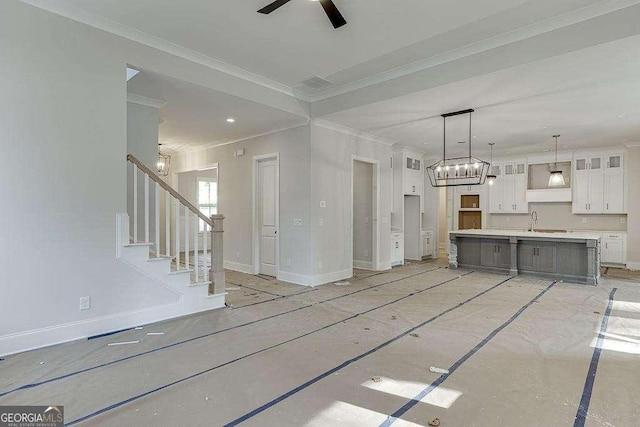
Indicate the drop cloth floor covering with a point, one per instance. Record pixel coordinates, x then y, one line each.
519 351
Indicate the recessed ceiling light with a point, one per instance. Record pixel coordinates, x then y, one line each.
622 116
544 126
231 120
625 140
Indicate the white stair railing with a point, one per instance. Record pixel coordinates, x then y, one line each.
177 244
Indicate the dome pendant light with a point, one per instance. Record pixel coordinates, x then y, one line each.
556 179
491 178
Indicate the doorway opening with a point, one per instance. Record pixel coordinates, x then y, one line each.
266 193
364 214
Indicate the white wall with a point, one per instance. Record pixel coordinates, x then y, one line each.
633 230
63 130
332 153
363 188
142 142
235 183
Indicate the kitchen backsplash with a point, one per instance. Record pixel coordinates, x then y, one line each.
558 216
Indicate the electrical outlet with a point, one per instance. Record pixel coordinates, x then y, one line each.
323 204
85 303
321 221
288 262
623 220
320 265
297 222
237 255
584 220
366 253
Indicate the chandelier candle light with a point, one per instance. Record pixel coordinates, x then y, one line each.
556 179
491 178
163 162
452 172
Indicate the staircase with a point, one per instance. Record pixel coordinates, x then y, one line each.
162 238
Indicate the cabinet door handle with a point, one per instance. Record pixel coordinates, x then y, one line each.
498 249
607 206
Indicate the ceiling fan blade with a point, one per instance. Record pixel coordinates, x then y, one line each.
333 13
273 6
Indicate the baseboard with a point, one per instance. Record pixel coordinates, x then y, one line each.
632 265
298 279
236 266
384 266
331 277
59 334
363 265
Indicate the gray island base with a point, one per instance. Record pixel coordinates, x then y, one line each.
572 257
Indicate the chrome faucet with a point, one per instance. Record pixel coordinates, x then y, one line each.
534 220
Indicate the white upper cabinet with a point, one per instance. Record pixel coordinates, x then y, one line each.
598 183
413 175
509 192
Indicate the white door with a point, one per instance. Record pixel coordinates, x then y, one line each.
267 211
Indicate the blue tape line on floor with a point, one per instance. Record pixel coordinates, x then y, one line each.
106 334
113 362
352 360
140 396
397 414
583 408
257 290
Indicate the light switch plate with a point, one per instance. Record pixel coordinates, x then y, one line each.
323 204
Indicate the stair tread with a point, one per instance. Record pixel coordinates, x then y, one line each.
160 258
200 283
180 271
131 245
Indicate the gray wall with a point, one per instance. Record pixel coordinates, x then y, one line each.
332 153
235 187
63 114
362 211
142 142
633 230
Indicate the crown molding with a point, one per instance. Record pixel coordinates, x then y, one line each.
144 100
245 138
74 13
548 25
353 132
570 18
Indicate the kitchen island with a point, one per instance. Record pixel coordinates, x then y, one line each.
572 257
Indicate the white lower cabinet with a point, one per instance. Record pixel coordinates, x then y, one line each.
613 249
428 245
397 248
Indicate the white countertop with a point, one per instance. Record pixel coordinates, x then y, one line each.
520 233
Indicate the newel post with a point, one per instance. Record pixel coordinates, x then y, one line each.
216 273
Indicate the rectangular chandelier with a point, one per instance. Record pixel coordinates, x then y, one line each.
455 171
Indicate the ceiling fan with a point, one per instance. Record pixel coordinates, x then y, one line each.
330 9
